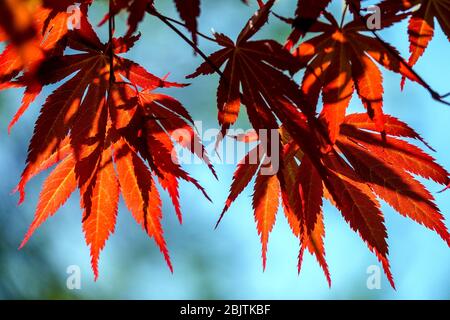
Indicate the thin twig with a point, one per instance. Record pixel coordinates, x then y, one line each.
167 22
200 34
344 13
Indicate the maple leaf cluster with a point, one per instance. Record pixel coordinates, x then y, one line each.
108 133
105 130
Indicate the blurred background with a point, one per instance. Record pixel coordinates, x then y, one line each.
223 263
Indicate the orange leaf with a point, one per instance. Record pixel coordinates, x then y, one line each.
265 203
140 194
99 217
57 188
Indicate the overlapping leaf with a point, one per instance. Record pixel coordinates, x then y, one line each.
364 167
306 15
421 25
341 60
99 130
257 67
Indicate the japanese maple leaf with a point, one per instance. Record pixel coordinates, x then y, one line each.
98 131
381 168
422 22
272 189
342 59
306 15
257 66
374 168
100 183
388 168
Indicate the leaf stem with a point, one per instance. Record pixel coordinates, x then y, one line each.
344 13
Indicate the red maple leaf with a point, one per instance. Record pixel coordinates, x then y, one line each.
342 59
99 131
364 167
421 25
